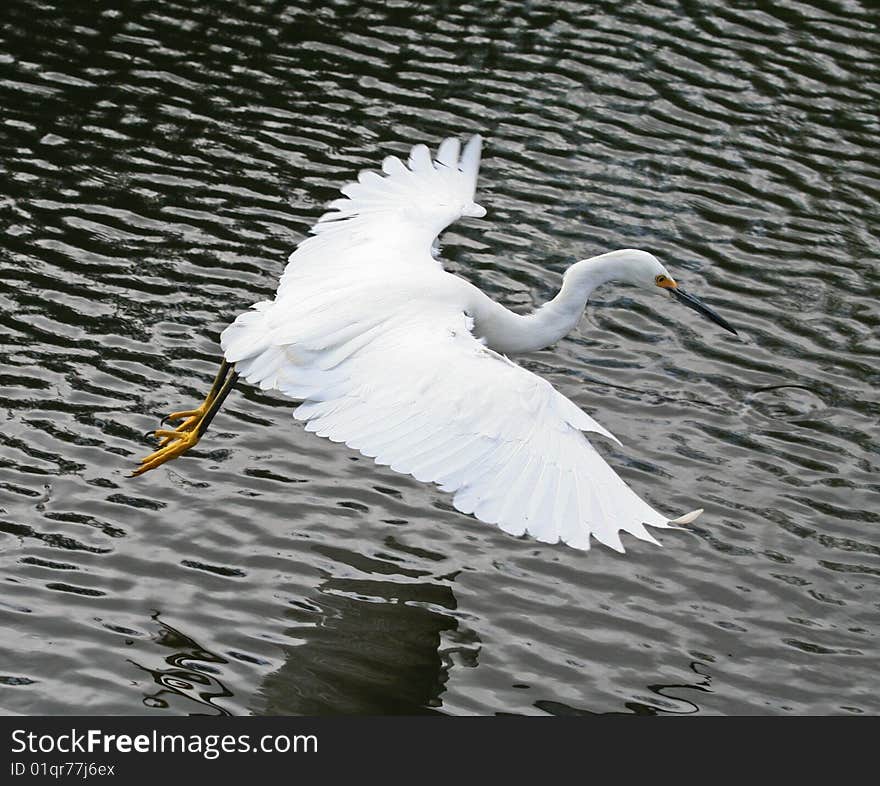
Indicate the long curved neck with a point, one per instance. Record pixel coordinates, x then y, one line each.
510 333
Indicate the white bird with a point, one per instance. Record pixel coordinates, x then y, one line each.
407 363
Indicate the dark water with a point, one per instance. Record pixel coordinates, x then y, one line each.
159 164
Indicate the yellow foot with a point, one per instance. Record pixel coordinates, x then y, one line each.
191 419
189 414
173 444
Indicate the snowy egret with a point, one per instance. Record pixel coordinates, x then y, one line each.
407 363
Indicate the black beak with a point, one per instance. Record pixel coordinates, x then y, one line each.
692 301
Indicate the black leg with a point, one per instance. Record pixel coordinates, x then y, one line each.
217 402
216 386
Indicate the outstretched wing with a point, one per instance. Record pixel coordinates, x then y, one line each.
394 215
417 392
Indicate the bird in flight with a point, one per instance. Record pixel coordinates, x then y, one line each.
389 353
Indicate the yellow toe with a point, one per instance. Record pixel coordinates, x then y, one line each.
180 443
187 413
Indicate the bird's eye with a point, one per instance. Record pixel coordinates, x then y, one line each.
658 280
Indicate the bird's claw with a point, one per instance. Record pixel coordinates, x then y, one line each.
172 444
165 436
185 414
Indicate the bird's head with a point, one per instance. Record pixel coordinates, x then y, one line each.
644 270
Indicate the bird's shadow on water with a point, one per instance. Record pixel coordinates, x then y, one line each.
362 647
374 646
368 648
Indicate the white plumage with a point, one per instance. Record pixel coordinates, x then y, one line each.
397 358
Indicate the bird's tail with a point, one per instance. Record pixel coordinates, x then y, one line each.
247 343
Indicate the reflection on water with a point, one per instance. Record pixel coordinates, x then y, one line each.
392 641
387 639
188 676
158 165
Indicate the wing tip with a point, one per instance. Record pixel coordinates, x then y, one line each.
687 518
376 191
473 210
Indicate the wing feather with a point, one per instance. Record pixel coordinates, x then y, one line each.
448 153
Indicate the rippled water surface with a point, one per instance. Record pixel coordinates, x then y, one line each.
159 164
